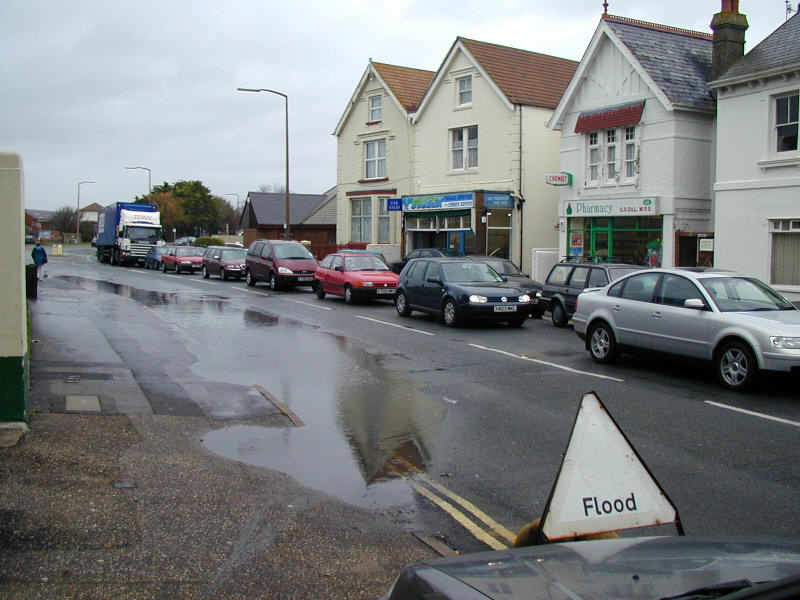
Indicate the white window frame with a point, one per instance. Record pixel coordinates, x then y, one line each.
375 109
779 228
464 148
464 90
361 212
612 155
384 222
375 159
785 120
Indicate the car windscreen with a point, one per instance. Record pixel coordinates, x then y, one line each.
504 267
188 251
233 254
739 294
462 272
364 263
450 252
292 251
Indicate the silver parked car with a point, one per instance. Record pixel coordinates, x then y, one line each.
737 322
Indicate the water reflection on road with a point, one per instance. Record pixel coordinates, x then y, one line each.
365 425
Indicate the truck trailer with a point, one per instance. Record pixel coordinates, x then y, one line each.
126 231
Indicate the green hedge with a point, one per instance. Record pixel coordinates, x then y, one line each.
205 242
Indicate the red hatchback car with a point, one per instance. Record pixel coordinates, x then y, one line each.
354 276
182 258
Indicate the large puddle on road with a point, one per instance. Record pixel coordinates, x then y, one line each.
366 426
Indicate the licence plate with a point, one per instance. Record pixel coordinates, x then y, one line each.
385 291
305 279
505 309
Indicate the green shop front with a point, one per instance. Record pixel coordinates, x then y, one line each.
627 230
476 222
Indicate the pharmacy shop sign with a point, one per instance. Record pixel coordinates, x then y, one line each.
625 207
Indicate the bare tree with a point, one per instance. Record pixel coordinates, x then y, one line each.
64 219
275 188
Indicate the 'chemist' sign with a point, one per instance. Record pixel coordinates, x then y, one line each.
603 484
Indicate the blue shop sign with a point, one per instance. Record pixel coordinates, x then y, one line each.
439 201
394 204
495 200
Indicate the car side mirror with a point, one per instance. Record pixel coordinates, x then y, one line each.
503 277
694 303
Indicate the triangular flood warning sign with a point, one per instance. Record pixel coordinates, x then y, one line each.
603 484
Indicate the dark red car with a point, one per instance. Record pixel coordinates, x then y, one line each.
223 261
182 259
354 276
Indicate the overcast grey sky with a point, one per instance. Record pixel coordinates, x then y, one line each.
90 87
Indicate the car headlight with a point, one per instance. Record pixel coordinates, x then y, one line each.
475 299
780 341
284 271
524 298
538 293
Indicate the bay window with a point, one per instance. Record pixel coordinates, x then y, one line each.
611 156
361 223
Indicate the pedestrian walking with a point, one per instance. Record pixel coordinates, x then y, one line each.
39 259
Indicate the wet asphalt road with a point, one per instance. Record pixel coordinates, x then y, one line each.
484 412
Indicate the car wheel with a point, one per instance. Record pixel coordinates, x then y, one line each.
736 366
559 314
518 322
164 267
602 345
401 305
248 277
204 272
318 290
450 313
222 275
348 295
273 282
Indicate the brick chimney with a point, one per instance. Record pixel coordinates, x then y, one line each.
729 26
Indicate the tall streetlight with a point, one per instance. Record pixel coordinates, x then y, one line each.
78 213
149 178
286 225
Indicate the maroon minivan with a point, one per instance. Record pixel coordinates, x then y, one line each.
281 263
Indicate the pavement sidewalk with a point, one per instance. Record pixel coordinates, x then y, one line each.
103 499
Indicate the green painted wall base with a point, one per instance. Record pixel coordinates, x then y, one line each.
14 386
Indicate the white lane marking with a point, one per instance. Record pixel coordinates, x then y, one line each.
549 364
406 327
309 304
754 414
255 292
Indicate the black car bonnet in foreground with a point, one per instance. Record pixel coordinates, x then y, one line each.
654 567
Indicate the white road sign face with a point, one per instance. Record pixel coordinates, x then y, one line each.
602 485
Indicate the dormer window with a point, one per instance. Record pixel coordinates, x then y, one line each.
464 90
375 109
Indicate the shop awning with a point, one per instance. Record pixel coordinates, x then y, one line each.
608 118
427 214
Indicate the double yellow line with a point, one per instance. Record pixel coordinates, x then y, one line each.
491 533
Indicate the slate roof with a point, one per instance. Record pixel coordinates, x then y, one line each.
408 85
525 77
269 207
779 51
678 60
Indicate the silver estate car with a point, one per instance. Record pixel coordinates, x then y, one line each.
737 322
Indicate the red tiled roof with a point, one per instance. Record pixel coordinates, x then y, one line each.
524 77
614 116
407 85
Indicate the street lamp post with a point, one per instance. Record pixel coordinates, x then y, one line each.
149 177
286 225
237 209
78 213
